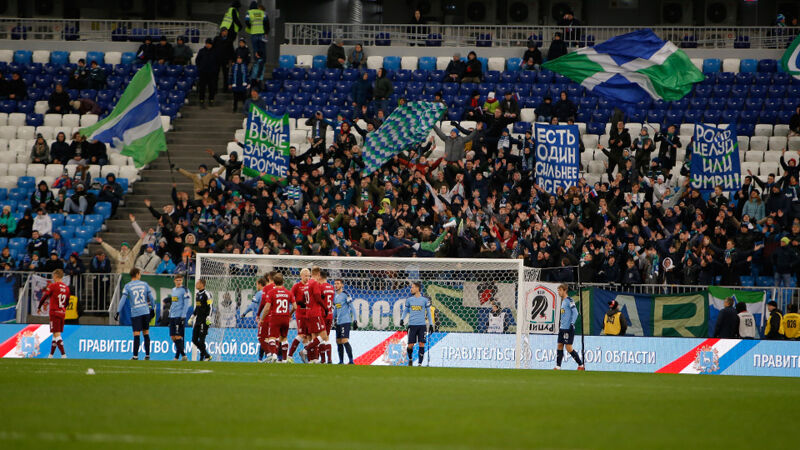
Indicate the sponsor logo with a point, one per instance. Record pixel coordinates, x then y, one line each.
542 307
706 360
395 353
27 345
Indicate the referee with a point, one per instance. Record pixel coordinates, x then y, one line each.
416 310
566 328
201 319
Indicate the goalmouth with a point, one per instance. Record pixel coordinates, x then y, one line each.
473 301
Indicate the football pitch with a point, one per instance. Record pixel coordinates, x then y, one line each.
171 405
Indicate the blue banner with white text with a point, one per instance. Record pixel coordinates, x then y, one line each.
715 159
557 156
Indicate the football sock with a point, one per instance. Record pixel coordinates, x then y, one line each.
329 352
272 347
295 343
340 348
260 353
421 353
322 353
53 347
147 344
136 345
576 357
60 344
349 350
410 354
179 347
559 357
284 350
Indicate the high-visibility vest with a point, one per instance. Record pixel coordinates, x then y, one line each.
256 21
791 325
769 325
227 21
612 325
71 312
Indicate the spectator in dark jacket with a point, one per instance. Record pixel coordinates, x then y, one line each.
510 107
163 51
794 123
97 77
336 56
773 327
223 50
727 326
473 72
545 110
532 56
242 51
569 22
60 150
455 69
383 90
181 53
207 70
557 48
16 87
79 78
565 109
97 153
232 166
784 259
362 91
58 101
147 51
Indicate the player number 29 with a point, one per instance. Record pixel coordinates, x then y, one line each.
282 306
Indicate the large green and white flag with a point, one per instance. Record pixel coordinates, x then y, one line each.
753 299
406 126
791 59
630 68
134 124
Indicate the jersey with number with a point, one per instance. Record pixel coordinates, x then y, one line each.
58 293
496 323
302 296
280 301
316 307
328 293
138 293
747 325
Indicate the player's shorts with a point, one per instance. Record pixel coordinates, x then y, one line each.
314 324
566 336
343 331
278 326
328 324
199 331
140 323
263 329
301 325
416 333
56 324
176 326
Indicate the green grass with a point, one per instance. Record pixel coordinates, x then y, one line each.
148 404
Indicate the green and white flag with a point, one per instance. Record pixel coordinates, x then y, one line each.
406 126
791 59
266 146
630 68
134 124
753 299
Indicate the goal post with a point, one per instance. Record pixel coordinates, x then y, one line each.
469 297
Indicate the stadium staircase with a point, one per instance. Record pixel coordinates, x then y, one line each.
194 132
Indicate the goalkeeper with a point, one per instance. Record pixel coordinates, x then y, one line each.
416 310
201 319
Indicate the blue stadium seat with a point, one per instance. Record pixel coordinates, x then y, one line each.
768 65
59 57
758 91
455 113
692 115
332 74
712 116
433 40
768 116
128 58
596 128
427 63
729 116
726 77
747 280
744 78
776 91
350 74
297 73
35 120
784 116
23 57
748 116
319 61
748 66
308 86
301 98
491 76
721 90
655 115
698 102
521 127
314 74
95 56
739 90
392 63
76 245
287 61
485 63
527 77
436 75
745 128
754 103
711 65
674 117
514 64
383 39
483 40
741 42
762 78
18 244
781 78
716 103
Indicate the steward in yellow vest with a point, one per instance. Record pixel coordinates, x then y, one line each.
614 323
791 323
774 328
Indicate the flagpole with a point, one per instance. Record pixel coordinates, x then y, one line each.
171 173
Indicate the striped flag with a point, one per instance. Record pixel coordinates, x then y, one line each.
135 123
630 68
791 59
406 126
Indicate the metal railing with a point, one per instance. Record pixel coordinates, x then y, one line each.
96 292
518 36
104 30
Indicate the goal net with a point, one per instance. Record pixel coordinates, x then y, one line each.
470 298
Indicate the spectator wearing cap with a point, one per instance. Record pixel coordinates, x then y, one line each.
491 104
242 51
74 268
79 79
453 144
181 53
166 266
42 197
147 51
336 57
455 69
60 150
473 71
727 326
40 153
532 58
774 328
124 258
148 261
207 71
97 76
238 82
232 166
112 192
200 180
78 202
510 106
53 262
545 111
614 322
223 49
58 102
163 51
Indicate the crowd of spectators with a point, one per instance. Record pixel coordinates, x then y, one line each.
242 71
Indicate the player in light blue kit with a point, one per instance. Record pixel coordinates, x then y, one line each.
181 301
344 318
142 305
416 310
566 328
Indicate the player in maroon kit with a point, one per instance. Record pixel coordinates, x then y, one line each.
262 331
302 295
327 293
58 293
315 324
279 307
